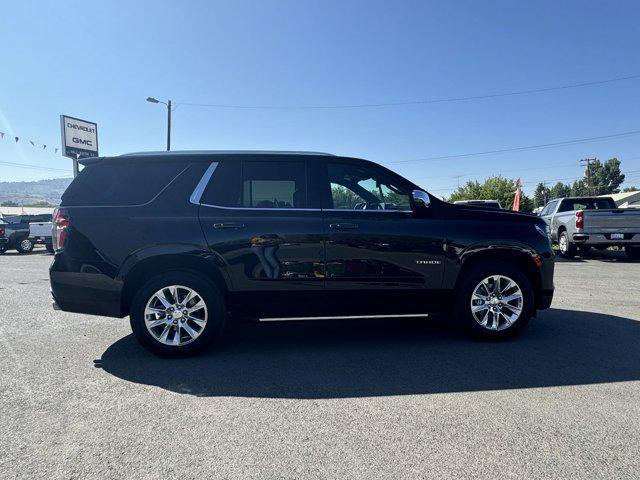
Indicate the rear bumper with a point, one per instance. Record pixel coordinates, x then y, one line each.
79 289
4 241
605 239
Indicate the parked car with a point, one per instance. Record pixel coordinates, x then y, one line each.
495 204
16 234
579 223
183 241
40 233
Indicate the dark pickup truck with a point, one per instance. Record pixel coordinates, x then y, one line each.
14 235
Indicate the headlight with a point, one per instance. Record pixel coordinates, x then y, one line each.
544 231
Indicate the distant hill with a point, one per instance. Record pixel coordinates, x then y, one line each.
27 193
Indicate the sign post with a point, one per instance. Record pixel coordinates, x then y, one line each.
79 139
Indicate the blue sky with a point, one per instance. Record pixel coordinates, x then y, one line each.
100 60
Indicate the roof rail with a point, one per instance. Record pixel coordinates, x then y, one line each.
224 152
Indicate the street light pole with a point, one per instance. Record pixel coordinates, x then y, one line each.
169 126
168 104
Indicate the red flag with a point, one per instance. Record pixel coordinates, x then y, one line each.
517 196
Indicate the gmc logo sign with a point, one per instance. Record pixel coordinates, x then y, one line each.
83 142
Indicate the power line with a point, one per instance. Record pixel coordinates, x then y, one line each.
34 167
517 149
565 165
413 102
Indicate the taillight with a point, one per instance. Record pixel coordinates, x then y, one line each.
579 220
60 224
2 232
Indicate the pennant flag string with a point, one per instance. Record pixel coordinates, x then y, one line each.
32 142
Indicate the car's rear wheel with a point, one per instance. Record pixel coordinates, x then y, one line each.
49 248
24 246
632 252
177 314
495 301
565 247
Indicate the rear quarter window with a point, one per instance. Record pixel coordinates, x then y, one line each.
120 183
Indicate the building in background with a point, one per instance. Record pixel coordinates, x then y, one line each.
626 199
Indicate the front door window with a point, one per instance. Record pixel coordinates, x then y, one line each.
358 188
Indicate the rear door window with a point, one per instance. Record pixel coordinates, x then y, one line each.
258 184
121 183
267 184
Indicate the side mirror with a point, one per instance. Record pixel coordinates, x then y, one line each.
420 199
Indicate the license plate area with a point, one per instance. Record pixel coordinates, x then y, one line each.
617 236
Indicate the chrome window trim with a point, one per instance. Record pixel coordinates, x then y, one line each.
202 184
365 211
292 209
196 196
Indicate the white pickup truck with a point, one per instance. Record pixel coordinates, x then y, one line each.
577 224
40 233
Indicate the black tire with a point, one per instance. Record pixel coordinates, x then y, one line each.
584 250
49 248
472 279
566 249
632 252
24 246
204 288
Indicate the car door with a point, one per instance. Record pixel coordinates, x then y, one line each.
374 241
547 213
257 220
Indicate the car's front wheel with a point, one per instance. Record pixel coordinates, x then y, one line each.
177 314
495 300
25 246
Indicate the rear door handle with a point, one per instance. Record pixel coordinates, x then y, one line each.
343 226
228 226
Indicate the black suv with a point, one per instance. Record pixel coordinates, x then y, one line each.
182 241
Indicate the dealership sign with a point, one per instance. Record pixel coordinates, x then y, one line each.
79 138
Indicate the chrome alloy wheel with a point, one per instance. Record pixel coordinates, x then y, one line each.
175 315
496 302
25 244
562 243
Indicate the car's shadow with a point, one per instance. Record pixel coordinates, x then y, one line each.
613 256
360 358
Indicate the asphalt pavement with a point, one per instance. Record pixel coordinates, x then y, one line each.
356 400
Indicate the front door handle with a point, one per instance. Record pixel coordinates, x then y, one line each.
228 226
343 226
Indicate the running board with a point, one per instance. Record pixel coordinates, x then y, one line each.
342 317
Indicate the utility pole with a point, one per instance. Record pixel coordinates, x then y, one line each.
587 172
169 126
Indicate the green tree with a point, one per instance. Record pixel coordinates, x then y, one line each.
630 189
604 178
560 190
579 189
541 195
9 203
493 188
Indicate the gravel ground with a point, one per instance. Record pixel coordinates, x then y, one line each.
394 399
